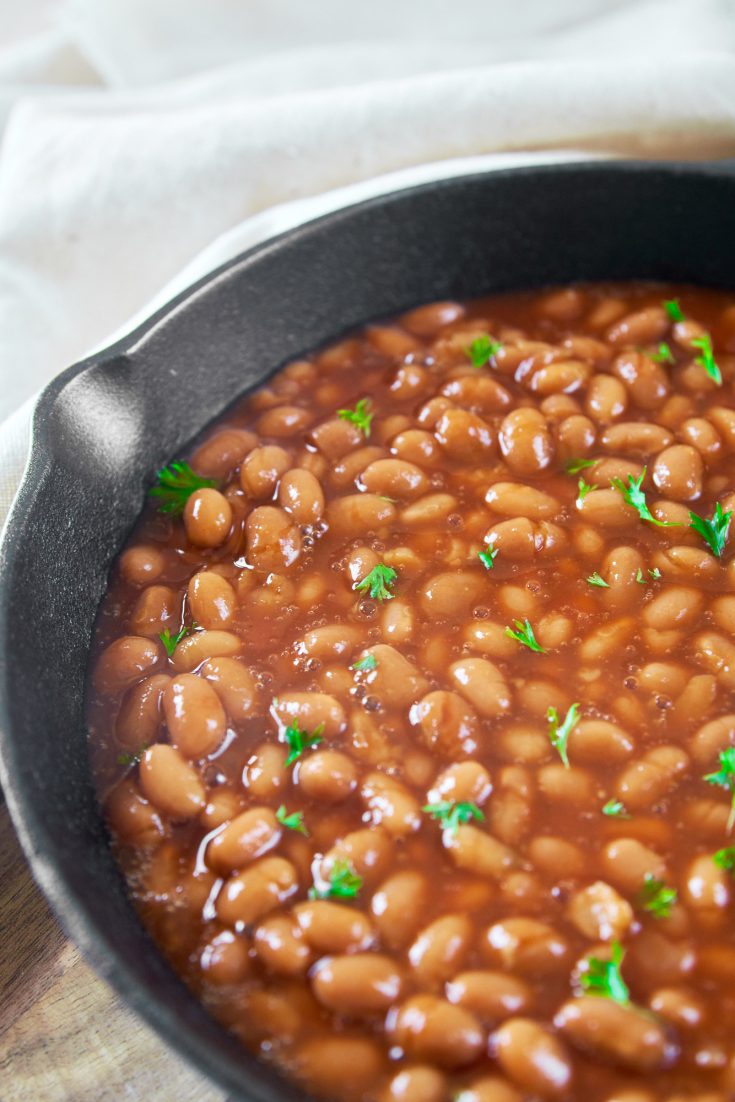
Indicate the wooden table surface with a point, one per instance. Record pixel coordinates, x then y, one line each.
65 1036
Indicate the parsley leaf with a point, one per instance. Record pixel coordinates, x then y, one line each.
487 558
615 809
635 496
655 573
725 858
171 642
524 635
604 978
299 740
294 821
369 662
656 898
176 484
714 532
595 579
482 349
559 733
663 355
451 814
378 582
725 778
584 489
574 466
706 358
359 416
674 310
132 758
343 883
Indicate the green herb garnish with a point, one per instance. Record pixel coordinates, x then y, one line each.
725 858
294 821
706 357
559 733
656 898
360 416
369 662
378 582
451 814
663 355
725 778
655 573
574 466
674 310
130 757
171 642
299 740
604 978
714 532
482 349
487 558
176 484
635 496
595 579
584 488
615 809
524 635
344 883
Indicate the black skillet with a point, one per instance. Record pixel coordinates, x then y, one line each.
104 426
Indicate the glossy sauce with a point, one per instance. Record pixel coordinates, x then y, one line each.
457 965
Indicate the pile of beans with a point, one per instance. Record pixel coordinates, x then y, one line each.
412 713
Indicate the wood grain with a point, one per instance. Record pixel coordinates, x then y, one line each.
65 1036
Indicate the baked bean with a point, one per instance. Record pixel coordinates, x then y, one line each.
131 816
420 1083
698 433
395 478
367 852
426 321
616 1033
284 421
557 857
646 381
394 680
447 723
636 438
606 509
717 655
332 927
264 773
207 518
429 1028
464 782
273 542
642 327
713 737
153 611
647 780
483 685
338 1065
605 640
170 783
326 775
311 710
600 913
627 863
525 442
490 996
706 887
464 436
222 804
224 959
607 399
358 514
252 894
478 393
512 499
261 470
685 564
346 472
281 947
234 685
211 600
194 716
301 496
598 740
723 420
128 660
532 1057
358 983
249 836
398 907
195 649
416 446
452 594
222 453
527 946
680 1006
441 949
572 786
398 621
478 852
139 717
390 804
565 377
141 565
678 472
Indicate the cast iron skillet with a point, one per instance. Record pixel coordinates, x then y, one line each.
104 427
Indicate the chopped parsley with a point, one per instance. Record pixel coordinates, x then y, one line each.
725 778
674 310
171 642
595 579
656 898
360 416
369 662
714 532
378 582
725 858
176 484
662 355
706 357
574 466
524 635
482 349
584 488
343 883
615 810
299 740
559 732
635 496
451 814
294 821
654 573
604 977
487 558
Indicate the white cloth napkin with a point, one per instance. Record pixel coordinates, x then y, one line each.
145 141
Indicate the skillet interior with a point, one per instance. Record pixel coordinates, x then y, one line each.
103 428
